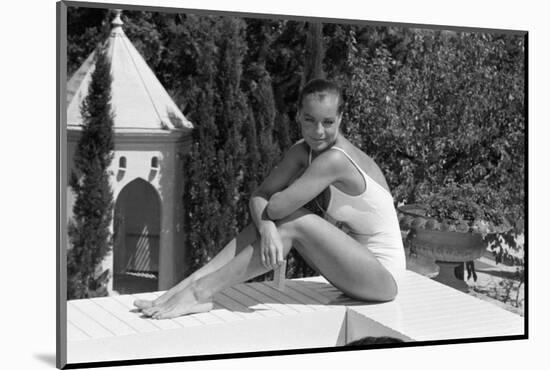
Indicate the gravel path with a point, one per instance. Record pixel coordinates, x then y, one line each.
498 284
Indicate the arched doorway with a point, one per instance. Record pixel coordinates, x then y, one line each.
136 239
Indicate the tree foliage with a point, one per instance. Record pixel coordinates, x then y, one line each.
450 110
89 229
435 109
443 114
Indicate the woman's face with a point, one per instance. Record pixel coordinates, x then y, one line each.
319 120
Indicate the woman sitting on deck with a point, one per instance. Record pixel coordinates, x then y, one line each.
362 258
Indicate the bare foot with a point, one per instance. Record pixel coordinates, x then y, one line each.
181 303
143 304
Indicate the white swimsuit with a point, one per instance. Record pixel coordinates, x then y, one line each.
369 218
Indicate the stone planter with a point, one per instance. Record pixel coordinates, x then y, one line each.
447 246
430 246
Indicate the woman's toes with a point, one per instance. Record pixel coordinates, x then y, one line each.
151 310
164 314
205 307
143 303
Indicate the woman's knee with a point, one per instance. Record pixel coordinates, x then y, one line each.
381 289
292 224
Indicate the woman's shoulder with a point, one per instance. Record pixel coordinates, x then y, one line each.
299 151
366 163
301 147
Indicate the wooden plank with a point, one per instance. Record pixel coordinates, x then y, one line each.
423 310
469 311
423 299
427 310
103 316
254 304
303 289
226 315
453 300
214 316
74 333
87 324
236 307
454 332
280 296
331 295
267 300
304 299
319 287
205 318
267 334
185 321
324 287
427 294
458 322
423 320
123 313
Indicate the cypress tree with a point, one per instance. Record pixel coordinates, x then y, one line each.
252 162
200 198
217 174
315 52
230 121
263 107
89 230
214 168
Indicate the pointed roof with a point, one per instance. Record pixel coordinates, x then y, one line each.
139 101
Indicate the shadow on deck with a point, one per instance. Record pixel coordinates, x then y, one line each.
307 313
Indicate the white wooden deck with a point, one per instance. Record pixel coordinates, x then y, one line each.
307 313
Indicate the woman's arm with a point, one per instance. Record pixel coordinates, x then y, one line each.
327 168
281 176
278 179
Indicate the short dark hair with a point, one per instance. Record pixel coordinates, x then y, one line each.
374 340
320 85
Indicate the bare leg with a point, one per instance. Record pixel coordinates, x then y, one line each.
347 264
197 296
234 247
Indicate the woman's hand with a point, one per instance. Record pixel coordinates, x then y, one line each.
271 246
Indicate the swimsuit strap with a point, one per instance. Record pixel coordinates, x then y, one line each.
363 174
346 154
349 157
366 177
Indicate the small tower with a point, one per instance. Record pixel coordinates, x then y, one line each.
150 133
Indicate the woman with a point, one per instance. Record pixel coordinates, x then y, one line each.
362 258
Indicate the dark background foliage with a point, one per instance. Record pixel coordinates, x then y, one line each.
436 109
92 212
